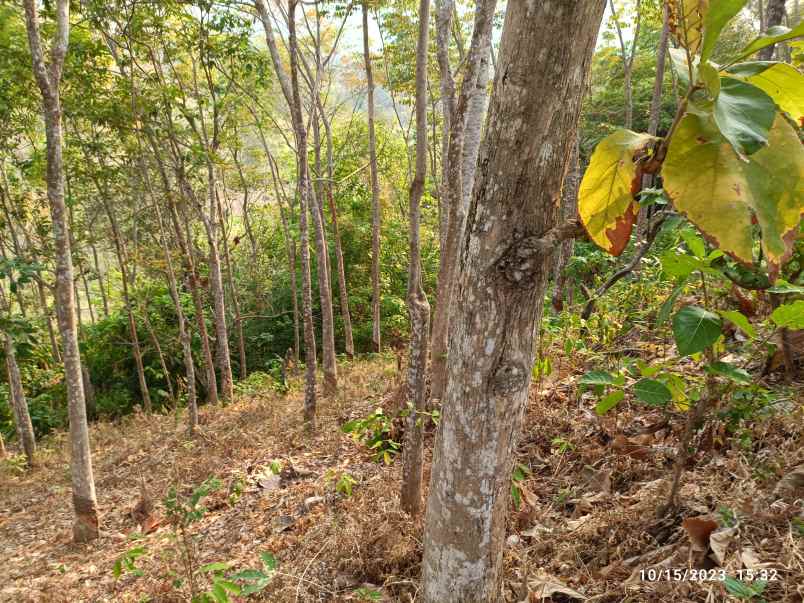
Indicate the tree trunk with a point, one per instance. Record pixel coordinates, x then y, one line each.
104 298
376 337
216 289
569 209
418 306
19 404
48 78
238 317
195 288
655 112
158 347
454 196
184 333
500 291
444 12
773 17
346 316
290 248
290 90
123 263
324 289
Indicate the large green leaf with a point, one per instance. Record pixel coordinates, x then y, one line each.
695 329
606 197
719 13
609 401
725 369
744 114
739 320
724 195
772 36
790 316
652 392
782 82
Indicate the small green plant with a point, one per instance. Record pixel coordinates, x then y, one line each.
374 431
368 594
344 484
727 516
126 563
253 580
745 591
562 446
519 474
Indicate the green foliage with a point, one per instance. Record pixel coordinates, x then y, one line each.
695 329
729 160
374 431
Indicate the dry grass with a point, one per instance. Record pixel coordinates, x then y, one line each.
589 509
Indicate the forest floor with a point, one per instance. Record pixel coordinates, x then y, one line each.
585 528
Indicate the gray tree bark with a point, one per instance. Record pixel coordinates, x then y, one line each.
418 306
48 79
498 299
453 195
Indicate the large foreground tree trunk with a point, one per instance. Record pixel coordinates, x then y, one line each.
418 306
48 78
500 290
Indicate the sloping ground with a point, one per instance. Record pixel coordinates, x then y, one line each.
586 525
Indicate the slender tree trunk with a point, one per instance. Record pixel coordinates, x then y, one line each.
159 353
19 404
376 336
54 344
184 332
418 306
498 300
569 209
444 12
122 262
773 17
346 316
290 90
104 298
655 112
223 358
290 248
194 285
456 199
324 289
238 317
48 78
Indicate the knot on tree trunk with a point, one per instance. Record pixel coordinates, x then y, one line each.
523 261
509 377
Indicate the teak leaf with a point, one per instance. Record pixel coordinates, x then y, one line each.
725 196
695 329
744 114
719 13
687 22
782 82
652 392
606 197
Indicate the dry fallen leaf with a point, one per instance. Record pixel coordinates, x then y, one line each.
719 541
547 586
699 529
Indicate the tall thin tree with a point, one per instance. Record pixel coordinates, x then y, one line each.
48 78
